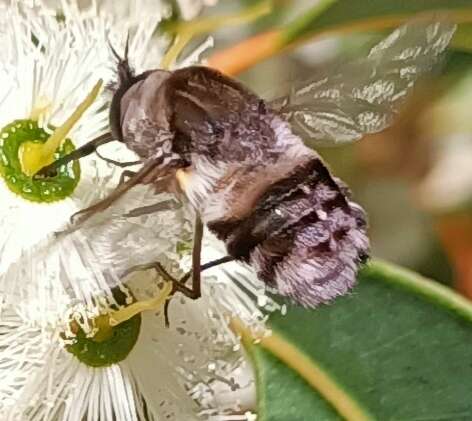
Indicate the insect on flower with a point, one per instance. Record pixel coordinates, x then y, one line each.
242 163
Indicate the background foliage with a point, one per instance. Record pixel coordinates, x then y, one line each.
399 347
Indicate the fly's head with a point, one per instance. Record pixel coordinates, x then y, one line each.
134 100
125 79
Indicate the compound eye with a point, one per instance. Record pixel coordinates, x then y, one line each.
115 116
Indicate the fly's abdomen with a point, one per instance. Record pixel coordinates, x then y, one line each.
305 237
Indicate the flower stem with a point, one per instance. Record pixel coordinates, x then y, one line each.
130 311
104 329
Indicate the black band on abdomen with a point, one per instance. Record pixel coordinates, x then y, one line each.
242 235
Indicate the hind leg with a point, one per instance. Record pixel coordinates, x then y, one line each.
193 292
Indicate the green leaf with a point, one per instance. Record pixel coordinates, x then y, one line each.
398 348
348 15
463 38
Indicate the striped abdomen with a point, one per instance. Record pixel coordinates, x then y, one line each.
304 236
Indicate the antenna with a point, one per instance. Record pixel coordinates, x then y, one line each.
114 51
127 47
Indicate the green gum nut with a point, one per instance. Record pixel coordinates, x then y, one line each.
109 345
44 190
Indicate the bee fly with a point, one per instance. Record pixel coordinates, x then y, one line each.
242 164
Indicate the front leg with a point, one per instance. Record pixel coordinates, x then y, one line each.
126 174
156 207
100 206
83 215
117 163
85 150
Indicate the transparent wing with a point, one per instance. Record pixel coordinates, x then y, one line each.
363 96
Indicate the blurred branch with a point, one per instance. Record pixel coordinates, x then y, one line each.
331 17
246 54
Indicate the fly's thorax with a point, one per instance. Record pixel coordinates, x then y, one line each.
145 114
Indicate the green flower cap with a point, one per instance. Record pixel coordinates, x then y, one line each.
44 190
109 345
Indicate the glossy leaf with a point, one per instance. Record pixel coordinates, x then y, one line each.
398 348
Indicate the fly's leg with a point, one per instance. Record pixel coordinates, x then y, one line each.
157 207
166 313
85 150
159 186
124 174
120 190
193 292
157 266
117 163
206 266
178 285
196 290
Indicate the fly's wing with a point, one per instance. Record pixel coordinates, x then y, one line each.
363 97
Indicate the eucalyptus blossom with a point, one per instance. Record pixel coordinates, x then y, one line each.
58 358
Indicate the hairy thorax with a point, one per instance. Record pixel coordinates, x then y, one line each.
230 188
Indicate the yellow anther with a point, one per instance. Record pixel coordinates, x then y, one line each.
155 303
34 156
